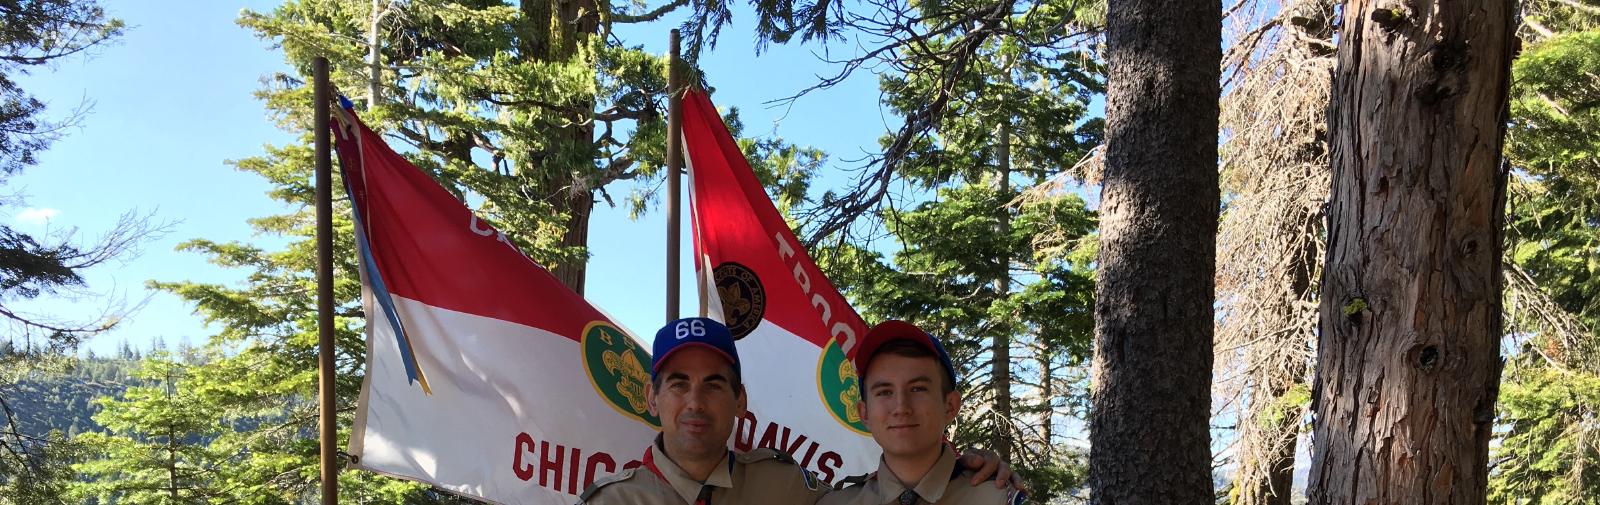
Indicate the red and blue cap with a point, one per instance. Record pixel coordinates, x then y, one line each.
892 330
693 331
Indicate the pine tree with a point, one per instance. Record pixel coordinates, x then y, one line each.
154 452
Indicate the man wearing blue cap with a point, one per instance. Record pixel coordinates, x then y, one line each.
908 399
697 392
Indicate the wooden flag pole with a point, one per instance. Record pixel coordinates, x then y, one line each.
674 166
324 178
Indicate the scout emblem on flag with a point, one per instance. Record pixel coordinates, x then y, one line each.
619 370
743 298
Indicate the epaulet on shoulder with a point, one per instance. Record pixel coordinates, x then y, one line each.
766 454
852 481
606 481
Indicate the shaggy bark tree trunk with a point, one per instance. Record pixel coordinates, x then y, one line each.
1409 360
1149 425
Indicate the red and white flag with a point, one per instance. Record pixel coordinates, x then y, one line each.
485 375
795 332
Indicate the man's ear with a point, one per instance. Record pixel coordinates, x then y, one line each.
650 399
743 401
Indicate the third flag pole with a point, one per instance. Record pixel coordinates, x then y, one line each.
674 166
326 414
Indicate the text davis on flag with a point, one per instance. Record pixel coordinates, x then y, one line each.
485 375
795 332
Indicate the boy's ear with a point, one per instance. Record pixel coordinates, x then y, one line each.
861 408
952 406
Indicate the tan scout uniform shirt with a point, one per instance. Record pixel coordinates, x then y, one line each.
758 477
943 484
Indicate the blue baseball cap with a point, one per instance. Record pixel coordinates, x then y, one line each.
693 331
892 330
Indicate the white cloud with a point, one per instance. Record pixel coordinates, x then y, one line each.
36 216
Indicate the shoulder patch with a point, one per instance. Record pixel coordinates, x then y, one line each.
1016 497
766 454
606 481
812 484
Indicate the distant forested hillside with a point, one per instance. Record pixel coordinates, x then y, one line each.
65 401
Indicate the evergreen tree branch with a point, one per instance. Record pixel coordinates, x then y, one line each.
657 13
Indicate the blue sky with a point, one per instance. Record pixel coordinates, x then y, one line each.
172 102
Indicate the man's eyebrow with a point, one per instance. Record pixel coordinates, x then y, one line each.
677 376
717 378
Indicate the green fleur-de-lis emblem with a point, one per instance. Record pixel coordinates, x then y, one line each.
617 370
837 384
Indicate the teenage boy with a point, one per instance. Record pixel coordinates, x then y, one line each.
908 399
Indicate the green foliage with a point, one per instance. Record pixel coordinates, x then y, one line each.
63 399
1554 141
1292 403
1553 115
261 366
154 451
44 473
970 264
1550 450
1550 392
37 34
33 34
1041 94
1354 306
50 402
1065 477
944 278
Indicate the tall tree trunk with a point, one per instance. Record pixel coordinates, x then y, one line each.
375 53
1409 361
172 444
1047 390
1000 368
578 205
560 30
1149 424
